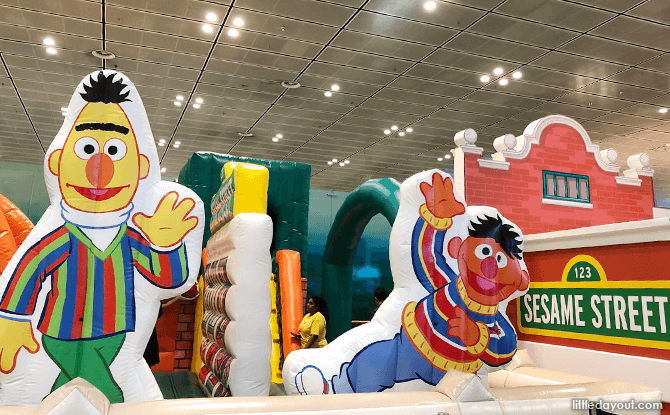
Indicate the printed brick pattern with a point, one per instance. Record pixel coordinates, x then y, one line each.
517 192
184 338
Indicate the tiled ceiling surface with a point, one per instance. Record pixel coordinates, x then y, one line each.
604 63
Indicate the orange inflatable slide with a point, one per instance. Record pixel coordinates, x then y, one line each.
14 228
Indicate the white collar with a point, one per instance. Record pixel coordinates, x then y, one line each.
93 220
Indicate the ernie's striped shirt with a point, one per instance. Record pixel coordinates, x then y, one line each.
92 291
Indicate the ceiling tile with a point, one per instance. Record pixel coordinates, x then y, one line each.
522 31
636 31
309 10
398 28
446 14
609 50
556 13
578 65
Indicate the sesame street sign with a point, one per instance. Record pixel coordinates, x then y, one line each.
585 306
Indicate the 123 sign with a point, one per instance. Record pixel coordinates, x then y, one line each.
585 306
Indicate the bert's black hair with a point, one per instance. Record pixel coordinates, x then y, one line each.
500 232
104 89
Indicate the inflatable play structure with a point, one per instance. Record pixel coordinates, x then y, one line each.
14 228
82 291
252 281
81 294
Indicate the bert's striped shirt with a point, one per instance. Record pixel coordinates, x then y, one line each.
92 291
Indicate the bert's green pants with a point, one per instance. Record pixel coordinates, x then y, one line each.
87 359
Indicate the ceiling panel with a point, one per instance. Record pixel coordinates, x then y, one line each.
603 63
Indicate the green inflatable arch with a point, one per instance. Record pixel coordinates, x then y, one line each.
378 196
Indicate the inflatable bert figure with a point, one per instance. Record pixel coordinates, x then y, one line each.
89 266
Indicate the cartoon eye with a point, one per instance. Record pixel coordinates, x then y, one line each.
483 251
86 147
501 259
115 149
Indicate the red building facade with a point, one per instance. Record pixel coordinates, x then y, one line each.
533 179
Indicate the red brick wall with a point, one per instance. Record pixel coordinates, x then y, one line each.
184 336
175 330
517 192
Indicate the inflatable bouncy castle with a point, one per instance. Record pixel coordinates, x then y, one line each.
454 270
82 292
14 228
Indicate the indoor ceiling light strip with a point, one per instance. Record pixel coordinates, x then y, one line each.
323 48
11 79
197 81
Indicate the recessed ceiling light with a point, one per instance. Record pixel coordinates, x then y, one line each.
238 22
394 127
517 74
177 104
290 84
233 32
335 87
48 41
275 139
177 142
196 106
334 160
346 161
51 51
279 136
485 78
387 132
211 17
162 140
663 110
180 97
207 28
328 94
176 146
163 170
429 5
63 109
103 54
448 156
409 129
402 133
330 163
440 159
64 114
498 71
198 100
341 164
503 82
161 143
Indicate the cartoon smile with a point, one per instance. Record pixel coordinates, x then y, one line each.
97 194
483 285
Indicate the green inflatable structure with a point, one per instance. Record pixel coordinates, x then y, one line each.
288 196
378 196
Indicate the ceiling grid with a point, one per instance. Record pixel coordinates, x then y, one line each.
604 63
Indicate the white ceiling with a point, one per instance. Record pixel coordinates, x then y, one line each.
604 63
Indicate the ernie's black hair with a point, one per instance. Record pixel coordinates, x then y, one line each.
500 232
104 89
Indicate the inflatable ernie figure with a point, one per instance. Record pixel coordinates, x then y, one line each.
90 263
458 324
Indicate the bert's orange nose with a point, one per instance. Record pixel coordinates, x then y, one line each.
100 170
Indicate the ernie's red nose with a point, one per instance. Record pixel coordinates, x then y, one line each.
489 267
99 170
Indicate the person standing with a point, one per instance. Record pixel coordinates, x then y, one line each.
313 325
380 295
